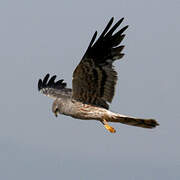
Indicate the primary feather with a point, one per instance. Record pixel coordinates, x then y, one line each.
53 89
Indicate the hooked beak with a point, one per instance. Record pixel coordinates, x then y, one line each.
56 113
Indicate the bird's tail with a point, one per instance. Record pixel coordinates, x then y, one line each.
139 122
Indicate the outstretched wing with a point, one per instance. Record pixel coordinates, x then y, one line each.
94 79
53 89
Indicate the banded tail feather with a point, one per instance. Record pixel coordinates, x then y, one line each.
132 121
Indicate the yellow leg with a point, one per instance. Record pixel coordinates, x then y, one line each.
108 127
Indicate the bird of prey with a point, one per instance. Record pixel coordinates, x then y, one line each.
93 83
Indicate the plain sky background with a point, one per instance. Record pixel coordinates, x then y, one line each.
39 37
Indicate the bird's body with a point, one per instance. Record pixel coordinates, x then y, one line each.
93 84
78 110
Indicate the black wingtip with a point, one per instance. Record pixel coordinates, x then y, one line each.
112 19
126 27
50 83
39 84
46 79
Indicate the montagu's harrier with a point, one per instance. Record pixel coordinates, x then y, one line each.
93 83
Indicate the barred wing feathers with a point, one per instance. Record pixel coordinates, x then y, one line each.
94 79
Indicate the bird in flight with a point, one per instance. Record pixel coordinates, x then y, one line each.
93 83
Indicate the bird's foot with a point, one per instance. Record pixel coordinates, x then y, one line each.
109 128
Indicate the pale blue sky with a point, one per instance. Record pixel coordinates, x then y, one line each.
39 37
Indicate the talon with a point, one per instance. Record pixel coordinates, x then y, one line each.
109 128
